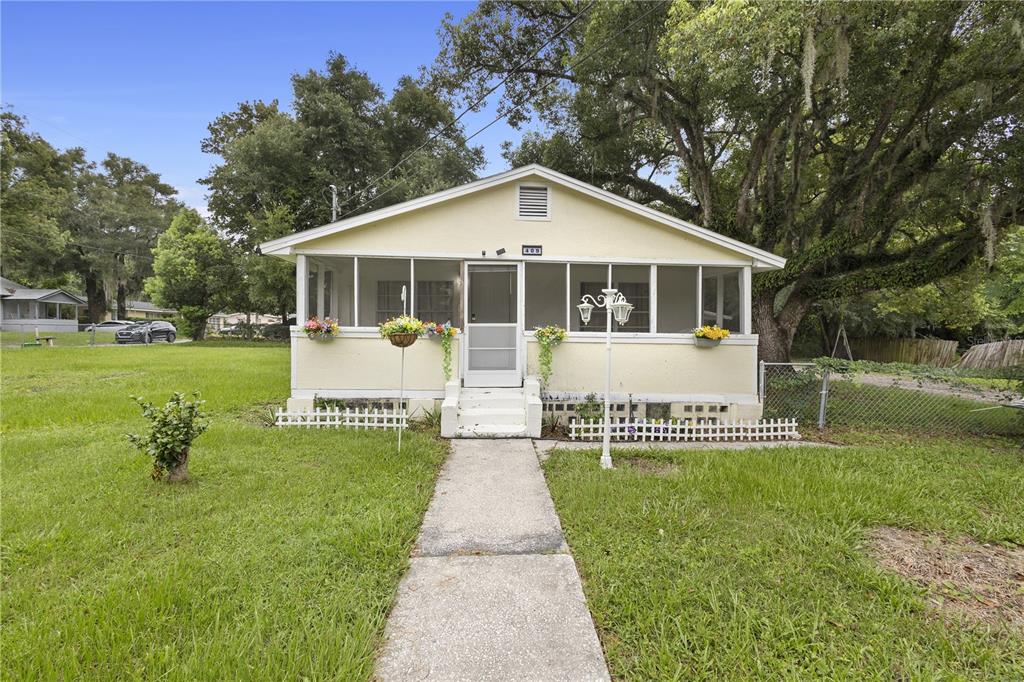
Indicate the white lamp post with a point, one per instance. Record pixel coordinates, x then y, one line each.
615 304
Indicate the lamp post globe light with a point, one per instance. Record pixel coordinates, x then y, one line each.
615 304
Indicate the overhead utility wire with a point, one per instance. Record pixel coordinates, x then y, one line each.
479 100
526 101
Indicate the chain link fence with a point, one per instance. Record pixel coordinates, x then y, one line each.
851 396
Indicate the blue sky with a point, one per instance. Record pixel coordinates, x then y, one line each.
144 79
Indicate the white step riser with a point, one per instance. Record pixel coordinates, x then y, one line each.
492 432
490 403
493 420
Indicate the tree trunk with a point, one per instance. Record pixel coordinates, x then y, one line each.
122 301
96 297
179 472
198 328
776 330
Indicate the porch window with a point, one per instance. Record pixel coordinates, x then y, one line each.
677 299
68 312
380 289
545 294
51 311
438 291
634 282
720 289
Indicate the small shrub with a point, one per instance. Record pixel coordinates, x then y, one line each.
590 408
429 420
551 426
173 427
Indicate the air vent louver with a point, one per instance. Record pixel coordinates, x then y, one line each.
533 202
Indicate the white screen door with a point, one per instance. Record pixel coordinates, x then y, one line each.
492 326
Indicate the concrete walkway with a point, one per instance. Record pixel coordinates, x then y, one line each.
491 593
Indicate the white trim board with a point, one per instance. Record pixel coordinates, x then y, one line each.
283 245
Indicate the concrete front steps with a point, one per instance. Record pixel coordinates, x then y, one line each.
491 412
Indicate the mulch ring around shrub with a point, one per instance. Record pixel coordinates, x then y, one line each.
982 582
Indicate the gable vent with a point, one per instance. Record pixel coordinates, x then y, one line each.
533 202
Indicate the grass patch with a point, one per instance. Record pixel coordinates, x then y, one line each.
756 564
279 561
60 339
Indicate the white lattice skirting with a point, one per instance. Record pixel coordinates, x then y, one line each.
348 418
655 430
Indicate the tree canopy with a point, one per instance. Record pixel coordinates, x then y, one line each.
873 144
194 270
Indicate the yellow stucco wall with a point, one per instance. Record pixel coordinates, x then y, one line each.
580 227
359 363
651 368
371 364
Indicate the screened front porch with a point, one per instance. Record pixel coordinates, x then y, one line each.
497 304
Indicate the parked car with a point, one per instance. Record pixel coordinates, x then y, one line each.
241 329
278 332
147 332
109 326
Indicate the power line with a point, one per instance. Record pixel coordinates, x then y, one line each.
477 102
526 101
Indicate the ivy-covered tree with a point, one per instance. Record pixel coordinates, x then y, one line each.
195 271
872 144
37 189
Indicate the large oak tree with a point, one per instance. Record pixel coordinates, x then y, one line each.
874 144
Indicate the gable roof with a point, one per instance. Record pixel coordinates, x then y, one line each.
282 246
12 291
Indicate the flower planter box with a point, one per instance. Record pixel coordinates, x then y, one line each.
402 340
701 342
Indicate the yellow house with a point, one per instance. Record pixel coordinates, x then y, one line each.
504 255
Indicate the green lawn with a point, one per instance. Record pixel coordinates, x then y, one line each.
60 339
278 562
751 565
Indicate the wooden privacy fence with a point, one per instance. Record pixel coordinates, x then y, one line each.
656 430
935 352
994 355
347 418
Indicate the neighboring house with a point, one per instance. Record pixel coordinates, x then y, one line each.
220 320
506 254
48 310
142 310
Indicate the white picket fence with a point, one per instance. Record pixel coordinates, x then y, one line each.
347 418
656 430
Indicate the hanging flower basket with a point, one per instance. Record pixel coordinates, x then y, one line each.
402 340
445 332
709 335
402 331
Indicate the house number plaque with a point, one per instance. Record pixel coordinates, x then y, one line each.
533 250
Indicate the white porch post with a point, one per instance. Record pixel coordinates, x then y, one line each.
652 301
355 291
301 282
746 294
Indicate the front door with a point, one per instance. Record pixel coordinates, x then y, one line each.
492 327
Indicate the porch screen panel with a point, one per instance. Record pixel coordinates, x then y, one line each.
328 284
586 279
380 289
677 299
439 291
491 347
721 294
311 292
68 312
343 296
634 282
545 294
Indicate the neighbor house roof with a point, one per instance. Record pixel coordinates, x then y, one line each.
12 291
283 245
146 305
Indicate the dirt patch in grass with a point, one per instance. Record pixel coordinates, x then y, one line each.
651 466
963 577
